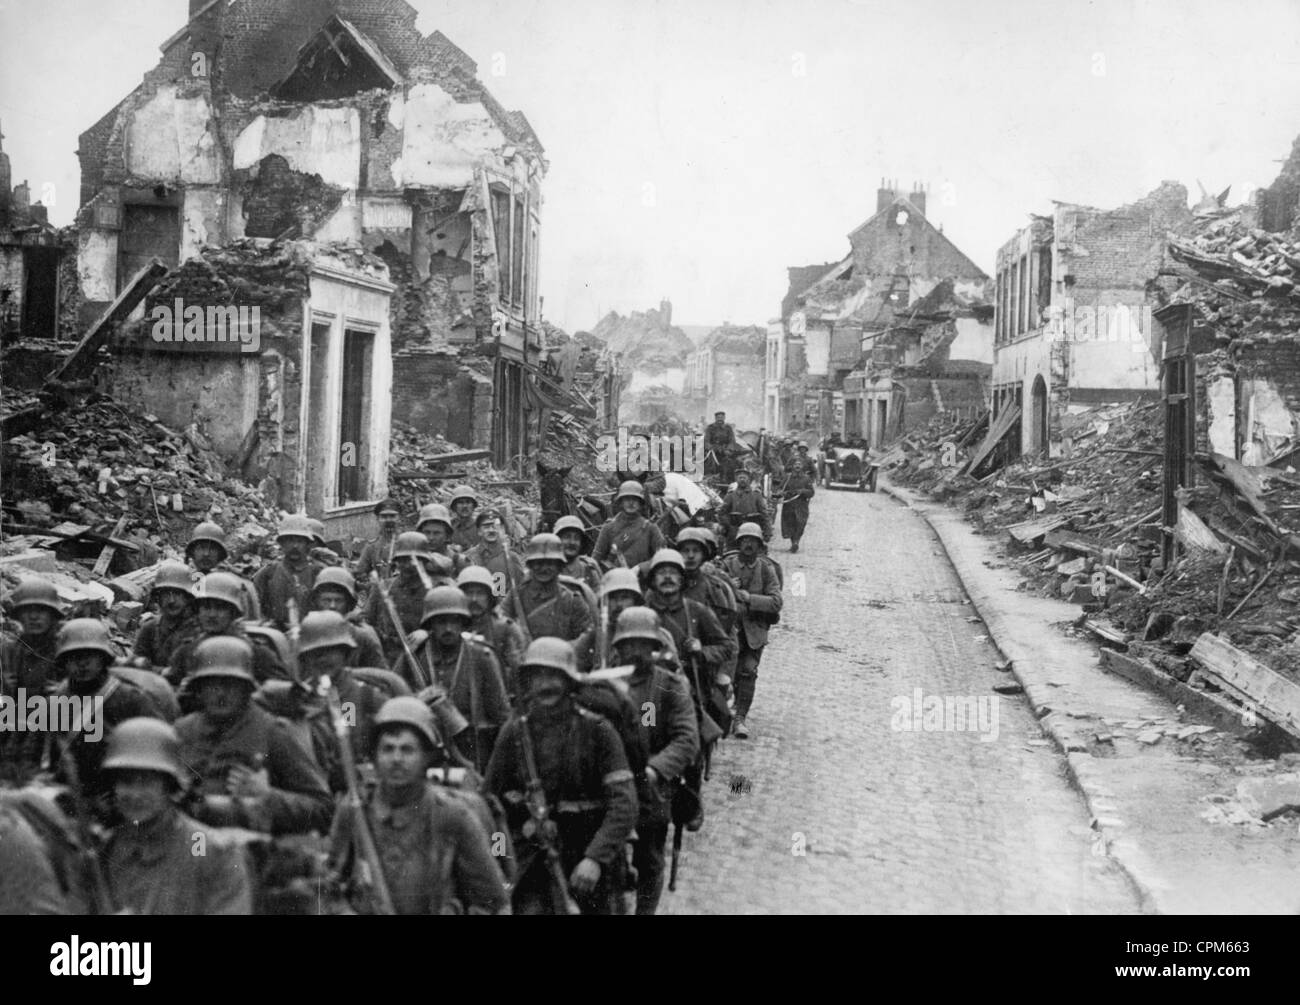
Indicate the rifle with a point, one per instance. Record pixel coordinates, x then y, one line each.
476 722
101 896
602 632
372 870
544 827
417 668
295 638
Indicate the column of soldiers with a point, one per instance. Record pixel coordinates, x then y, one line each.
466 729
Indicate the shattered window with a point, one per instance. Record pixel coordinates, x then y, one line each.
501 223
518 239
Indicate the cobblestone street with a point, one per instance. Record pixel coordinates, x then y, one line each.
829 809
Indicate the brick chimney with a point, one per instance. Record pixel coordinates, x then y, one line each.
886 194
917 198
207 21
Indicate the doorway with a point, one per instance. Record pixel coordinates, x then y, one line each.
1038 417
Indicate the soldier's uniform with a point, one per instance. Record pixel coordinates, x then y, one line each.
265 665
589 790
585 570
376 556
370 650
507 640
554 611
36 849
794 508
686 619
743 506
122 701
464 532
28 662
497 561
636 538
759 579
707 586
161 636
408 598
279 582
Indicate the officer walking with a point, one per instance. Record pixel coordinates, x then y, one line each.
759 595
377 555
573 761
151 861
435 855
672 740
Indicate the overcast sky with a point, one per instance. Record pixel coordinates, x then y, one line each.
698 148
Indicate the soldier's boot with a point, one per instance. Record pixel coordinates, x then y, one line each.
794 545
739 728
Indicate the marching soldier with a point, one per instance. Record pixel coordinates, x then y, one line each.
794 506
672 741
502 633
436 525
84 655
628 538
759 595
27 660
292 576
573 538
218 604
320 550
803 462
547 607
720 442
252 772
466 670
335 590
562 769
207 552
377 555
151 862
175 623
464 526
743 504
705 585
416 567
619 590
492 551
695 630
435 855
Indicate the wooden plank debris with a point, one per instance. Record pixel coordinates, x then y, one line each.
1273 696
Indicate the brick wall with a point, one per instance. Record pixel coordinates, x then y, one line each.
436 395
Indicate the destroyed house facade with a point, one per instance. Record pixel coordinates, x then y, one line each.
870 299
335 122
1074 295
723 372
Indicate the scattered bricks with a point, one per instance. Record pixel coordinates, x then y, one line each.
126 615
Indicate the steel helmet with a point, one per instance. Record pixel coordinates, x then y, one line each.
552 654
224 656
463 492
295 526
317 531
36 592
444 600
410 711
696 535
569 523
145 744
668 556
750 530
339 578
174 576
434 513
544 548
710 540
223 586
210 532
274 638
476 575
617 580
630 490
637 623
324 629
84 634
411 544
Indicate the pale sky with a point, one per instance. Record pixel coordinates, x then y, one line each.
699 148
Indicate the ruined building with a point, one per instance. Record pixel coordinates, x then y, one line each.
866 339
723 372
337 126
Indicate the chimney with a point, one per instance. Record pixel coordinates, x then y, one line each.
666 313
207 22
884 195
917 198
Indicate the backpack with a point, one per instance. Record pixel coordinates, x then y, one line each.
611 700
153 686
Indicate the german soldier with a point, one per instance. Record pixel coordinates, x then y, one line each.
207 552
465 669
335 590
705 585
158 860
175 623
759 594
436 524
696 631
464 527
377 555
548 607
720 443
502 633
743 504
252 772
572 765
794 506
672 740
434 852
291 577
492 552
217 599
619 590
320 550
628 532
27 660
415 566
573 538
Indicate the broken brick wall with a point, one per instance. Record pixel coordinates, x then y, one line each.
1279 204
437 395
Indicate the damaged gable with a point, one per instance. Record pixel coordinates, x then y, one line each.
337 62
